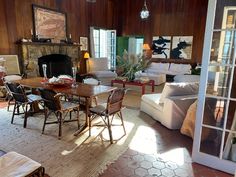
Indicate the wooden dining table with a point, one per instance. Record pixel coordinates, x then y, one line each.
81 90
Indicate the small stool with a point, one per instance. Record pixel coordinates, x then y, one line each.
14 164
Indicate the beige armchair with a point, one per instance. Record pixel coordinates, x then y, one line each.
170 107
99 67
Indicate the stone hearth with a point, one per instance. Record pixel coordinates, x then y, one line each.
31 51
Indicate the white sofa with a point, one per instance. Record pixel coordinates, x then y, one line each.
99 68
170 107
158 71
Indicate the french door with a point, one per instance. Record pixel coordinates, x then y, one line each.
215 132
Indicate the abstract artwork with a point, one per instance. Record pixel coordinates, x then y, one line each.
49 23
181 47
161 47
83 43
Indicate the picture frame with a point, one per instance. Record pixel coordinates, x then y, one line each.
161 47
49 24
83 43
181 47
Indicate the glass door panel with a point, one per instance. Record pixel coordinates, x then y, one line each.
214 112
222 43
231 116
218 80
210 141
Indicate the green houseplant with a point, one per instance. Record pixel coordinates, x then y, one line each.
130 64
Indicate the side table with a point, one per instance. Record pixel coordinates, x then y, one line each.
135 83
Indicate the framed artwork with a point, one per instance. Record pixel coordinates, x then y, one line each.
161 46
83 43
181 47
49 23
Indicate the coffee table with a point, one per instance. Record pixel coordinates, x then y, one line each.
135 83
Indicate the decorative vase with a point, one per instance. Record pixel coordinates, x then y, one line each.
74 77
45 72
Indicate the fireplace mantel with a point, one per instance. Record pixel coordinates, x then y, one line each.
31 51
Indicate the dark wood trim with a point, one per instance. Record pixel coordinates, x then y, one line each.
47 43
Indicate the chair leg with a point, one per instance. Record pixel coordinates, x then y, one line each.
89 124
70 114
9 98
45 119
26 115
78 118
109 129
122 121
13 113
60 124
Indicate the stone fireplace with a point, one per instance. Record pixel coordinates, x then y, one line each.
30 52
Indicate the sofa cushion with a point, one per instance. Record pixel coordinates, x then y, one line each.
178 89
99 74
158 68
180 68
14 164
153 100
98 64
186 78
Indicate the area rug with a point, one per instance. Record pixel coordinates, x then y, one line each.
71 156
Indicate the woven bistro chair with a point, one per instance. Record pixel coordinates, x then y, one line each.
22 100
54 104
107 112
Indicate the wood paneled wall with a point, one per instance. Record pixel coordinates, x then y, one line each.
168 17
16 18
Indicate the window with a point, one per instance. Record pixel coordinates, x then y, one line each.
103 44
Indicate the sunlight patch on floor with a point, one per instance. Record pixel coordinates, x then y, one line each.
175 155
144 140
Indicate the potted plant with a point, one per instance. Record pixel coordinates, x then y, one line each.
128 65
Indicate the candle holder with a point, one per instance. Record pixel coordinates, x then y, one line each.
45 72
74 77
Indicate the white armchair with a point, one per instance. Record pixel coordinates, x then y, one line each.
99 68
170 107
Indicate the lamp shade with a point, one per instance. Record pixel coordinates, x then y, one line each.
86 55
146 47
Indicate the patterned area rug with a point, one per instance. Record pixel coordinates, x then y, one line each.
71 156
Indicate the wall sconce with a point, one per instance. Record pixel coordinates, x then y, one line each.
144 14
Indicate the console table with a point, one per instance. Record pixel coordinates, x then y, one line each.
135 83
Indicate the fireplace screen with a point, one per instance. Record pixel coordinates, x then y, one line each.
57 64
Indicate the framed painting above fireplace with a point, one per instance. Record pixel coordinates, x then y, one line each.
49 23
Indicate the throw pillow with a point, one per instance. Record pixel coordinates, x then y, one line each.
178 89
188 125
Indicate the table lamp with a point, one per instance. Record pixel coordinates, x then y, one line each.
146 48
86 57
